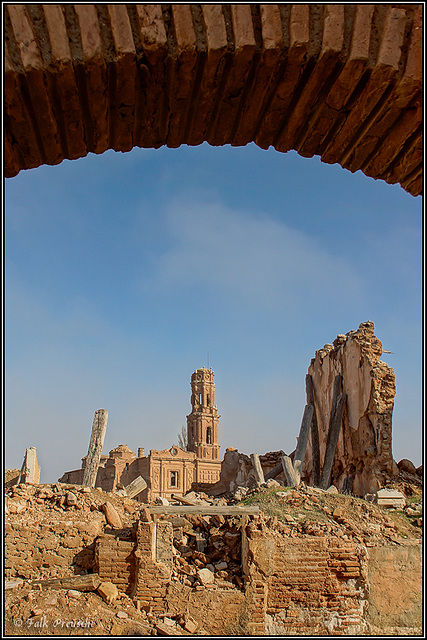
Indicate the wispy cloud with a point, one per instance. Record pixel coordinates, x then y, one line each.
249 258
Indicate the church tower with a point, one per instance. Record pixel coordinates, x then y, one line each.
202 423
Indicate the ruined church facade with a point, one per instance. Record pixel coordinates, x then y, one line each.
173 470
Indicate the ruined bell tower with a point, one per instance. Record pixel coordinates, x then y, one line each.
202 423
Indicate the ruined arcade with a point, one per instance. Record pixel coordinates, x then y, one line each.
251 551
322 536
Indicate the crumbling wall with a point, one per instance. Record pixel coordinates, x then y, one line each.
160 567
114 560
236 471
152 577
363 458
50 529
304 585
396 587
47 550
308 584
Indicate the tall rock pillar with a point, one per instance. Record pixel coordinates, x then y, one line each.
363 458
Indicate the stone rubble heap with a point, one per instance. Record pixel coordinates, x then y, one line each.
207 551
312 511
50 531
72 612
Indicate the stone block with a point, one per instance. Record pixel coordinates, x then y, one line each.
407 466
190 624
108 592
205 576
391 498
71 542
135 487
112 516
332 489
70 499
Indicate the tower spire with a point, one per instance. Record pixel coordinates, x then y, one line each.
202 422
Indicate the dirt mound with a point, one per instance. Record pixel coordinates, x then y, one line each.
311 511
32 611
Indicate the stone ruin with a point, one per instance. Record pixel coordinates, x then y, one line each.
348 375
363 459
230 565
215 568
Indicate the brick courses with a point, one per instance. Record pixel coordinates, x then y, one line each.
115 561
340 81
304 583
294 583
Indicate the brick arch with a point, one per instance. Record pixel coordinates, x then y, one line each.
339 81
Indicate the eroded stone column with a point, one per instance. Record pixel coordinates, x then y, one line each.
30 472
95 447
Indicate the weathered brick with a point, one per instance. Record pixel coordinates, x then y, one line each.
291 82
244 49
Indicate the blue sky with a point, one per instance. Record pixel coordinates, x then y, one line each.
124 270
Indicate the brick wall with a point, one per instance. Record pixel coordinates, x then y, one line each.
306 585
152 577
340 81
48 550
115 561
313 587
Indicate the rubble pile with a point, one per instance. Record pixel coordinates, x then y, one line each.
31 610
207 551
51 531
55 525
307 511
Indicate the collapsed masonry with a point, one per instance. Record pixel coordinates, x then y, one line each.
363 461
241 569
226 566
345 439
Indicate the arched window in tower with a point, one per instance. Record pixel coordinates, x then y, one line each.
208 401
208 436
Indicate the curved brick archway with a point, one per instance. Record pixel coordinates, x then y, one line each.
340 81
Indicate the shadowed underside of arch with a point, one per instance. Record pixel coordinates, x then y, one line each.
343 82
